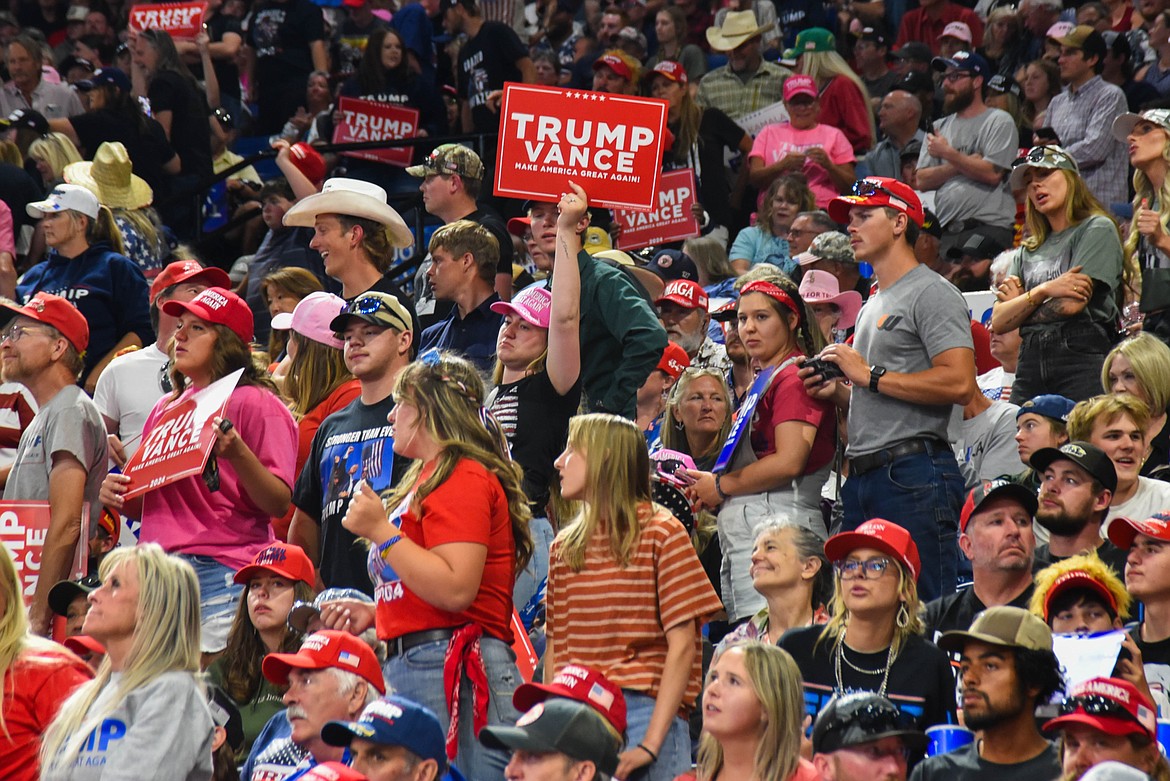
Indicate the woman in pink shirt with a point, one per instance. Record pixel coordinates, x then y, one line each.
803 144
220 520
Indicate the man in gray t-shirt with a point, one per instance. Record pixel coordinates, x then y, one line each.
966 157
912 360
62 454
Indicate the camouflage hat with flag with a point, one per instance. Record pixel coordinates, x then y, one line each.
1047 156
449 159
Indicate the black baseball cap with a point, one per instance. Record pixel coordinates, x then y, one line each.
26 118
62 594
562 726
859 718
978 246
914 50
1088 457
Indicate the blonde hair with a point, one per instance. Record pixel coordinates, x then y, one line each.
674 437
1144 192
15 638
776 682
834 631
448 392
56 150
1150 359
1107 407
1092 566
1080 205
314 373
825 66
617 487
166 639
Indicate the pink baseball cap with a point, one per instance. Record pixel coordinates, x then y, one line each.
958 30
532 304
311 318
1059 30
799 85
219 306
686 293
821 287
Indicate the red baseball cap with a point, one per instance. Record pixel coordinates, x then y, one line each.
1122 530
282 559
56 311
991 489
333 771
878 191
671 70
686 293
674 361
83 644
580 683
324 649
799 84
308 161
880 534
518 226
1078 578
1115 707
182 270
615 64
220 306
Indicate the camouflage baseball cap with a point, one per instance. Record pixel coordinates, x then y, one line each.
832 245
1047 156
449 159
1124 124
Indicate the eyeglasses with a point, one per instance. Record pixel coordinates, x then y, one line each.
954 76
14 333
871 569
805 231
1096 705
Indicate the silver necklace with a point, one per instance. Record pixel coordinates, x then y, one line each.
839 654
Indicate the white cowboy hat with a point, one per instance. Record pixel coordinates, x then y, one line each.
353 198
109 176
738 26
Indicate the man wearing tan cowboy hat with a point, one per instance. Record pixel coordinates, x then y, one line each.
746 83
356 232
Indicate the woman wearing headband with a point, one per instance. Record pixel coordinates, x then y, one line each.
765 479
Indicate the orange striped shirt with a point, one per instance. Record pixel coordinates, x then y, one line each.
614 619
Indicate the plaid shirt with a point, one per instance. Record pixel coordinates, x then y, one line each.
725 91
1083 121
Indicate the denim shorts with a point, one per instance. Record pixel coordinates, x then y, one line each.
674 757
218 599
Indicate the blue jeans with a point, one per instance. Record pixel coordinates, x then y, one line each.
922 493
218 598
674 757
531 583
418 675
1064 359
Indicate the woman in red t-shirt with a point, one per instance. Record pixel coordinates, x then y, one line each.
765 479
444 560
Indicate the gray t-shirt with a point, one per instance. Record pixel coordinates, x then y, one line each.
965 764
993 136
985 445
69 423
1093 243
903 328
162 730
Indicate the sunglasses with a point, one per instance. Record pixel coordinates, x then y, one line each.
866 188
1096 705
873 719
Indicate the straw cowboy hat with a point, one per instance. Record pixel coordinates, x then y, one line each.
109 176
738 27
353 198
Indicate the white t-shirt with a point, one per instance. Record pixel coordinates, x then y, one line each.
1152 496
127 391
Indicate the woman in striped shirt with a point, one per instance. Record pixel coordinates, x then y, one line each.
626 593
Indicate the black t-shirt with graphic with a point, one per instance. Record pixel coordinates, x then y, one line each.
485 63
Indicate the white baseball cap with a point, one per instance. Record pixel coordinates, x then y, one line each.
65 197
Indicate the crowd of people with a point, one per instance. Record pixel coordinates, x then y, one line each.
831 485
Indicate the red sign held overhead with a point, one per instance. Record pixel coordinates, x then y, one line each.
670 220
23 529
181 20
611 145
369 120
181 440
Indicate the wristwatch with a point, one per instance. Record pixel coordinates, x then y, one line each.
875 373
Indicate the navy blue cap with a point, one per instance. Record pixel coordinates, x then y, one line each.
104 76
964 61
1048 405
393 721
672 264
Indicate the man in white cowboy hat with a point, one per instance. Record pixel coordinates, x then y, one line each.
356 232
746 83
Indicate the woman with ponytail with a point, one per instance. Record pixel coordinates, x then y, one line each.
765 480
1147 135
445 547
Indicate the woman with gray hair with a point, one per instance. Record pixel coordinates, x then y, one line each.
790 570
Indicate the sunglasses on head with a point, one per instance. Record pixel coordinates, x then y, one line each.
866 188
1096 705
